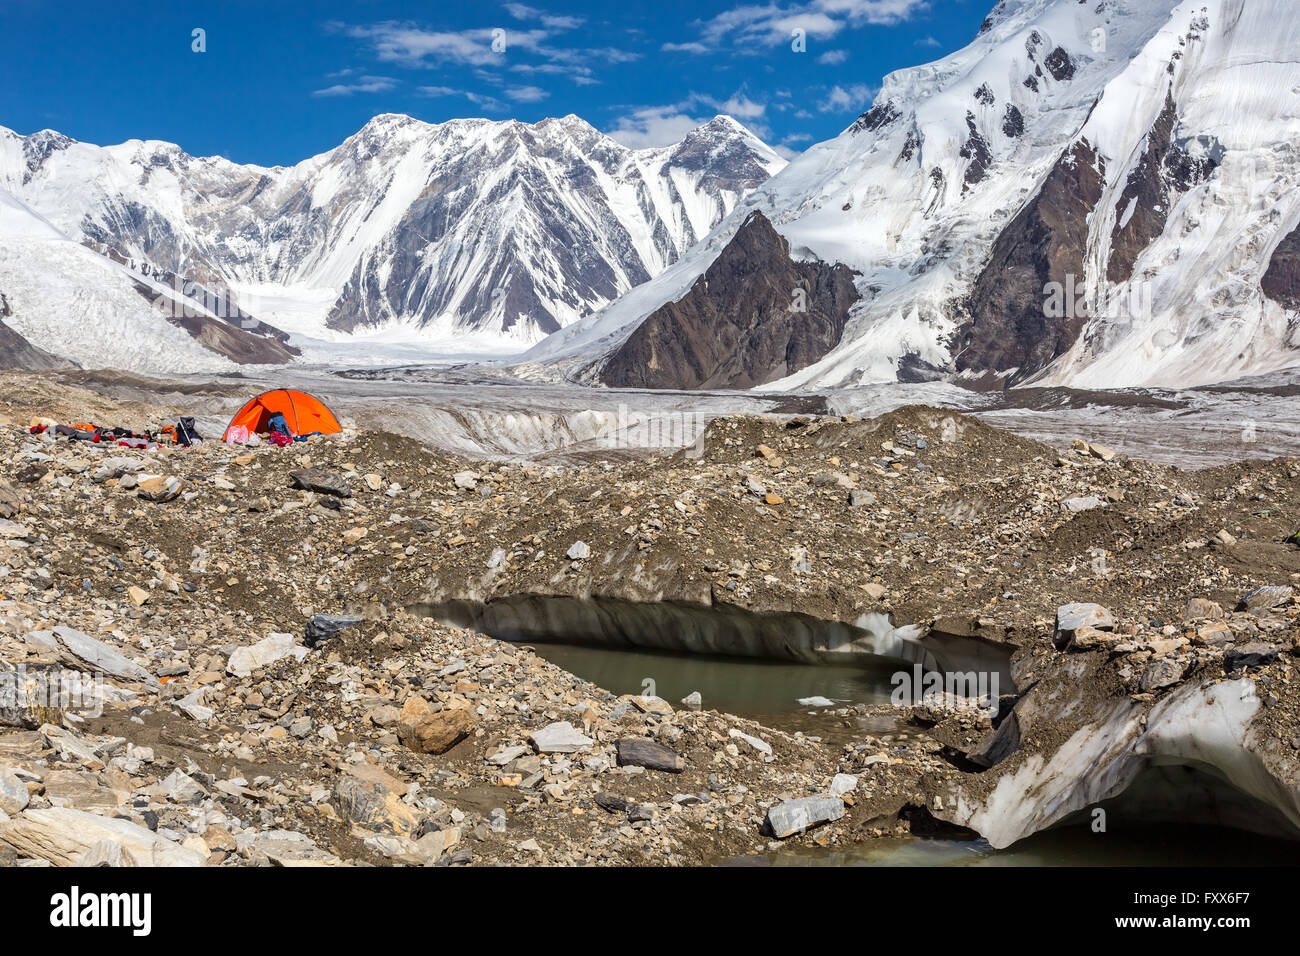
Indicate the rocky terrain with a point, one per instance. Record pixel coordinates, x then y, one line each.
289 677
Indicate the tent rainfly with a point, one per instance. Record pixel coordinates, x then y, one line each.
304 413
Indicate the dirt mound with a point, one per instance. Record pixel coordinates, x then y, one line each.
930 435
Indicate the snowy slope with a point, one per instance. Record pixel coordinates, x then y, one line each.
1141 150
76 303
499 231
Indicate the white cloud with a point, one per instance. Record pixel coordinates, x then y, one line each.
833 56
410 45
481 100
653 126
521 11
738 105
663 125
770 24
928 41
364 84
689 47
526 94
856 97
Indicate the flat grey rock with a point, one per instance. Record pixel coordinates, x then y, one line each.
803 813
559 738
81 650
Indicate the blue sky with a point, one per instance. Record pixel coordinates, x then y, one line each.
279 82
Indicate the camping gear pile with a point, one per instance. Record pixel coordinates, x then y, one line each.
102 434
283 416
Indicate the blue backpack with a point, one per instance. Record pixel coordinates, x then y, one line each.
276 423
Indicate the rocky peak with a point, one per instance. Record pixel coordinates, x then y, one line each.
754 316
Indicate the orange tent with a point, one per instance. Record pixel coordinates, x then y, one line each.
304 413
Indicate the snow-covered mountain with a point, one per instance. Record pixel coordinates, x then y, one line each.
58 296
469 231
1095 194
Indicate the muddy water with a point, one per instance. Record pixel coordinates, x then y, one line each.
1160 845
745 686
769 691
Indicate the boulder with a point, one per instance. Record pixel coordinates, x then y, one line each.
13 793
320 481
803 813
1264 598
425 731
643 752
1085 503
159 488
322 627
1251 654
1072 617
372 806
65 836
84 652
1164 672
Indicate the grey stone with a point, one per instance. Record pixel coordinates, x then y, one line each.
578 551
1251 654
13 794
559 738
180 787
320 481
111 468
1086 503
1072 617
803 813
245 660
843 783
322 627
1263 598
1164 672
107 852
81 650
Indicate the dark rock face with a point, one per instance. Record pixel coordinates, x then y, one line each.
976 149
1167 168
740 324
880 115
1281 281
1059 64
1013 122
1142 209
260 344
1009 326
